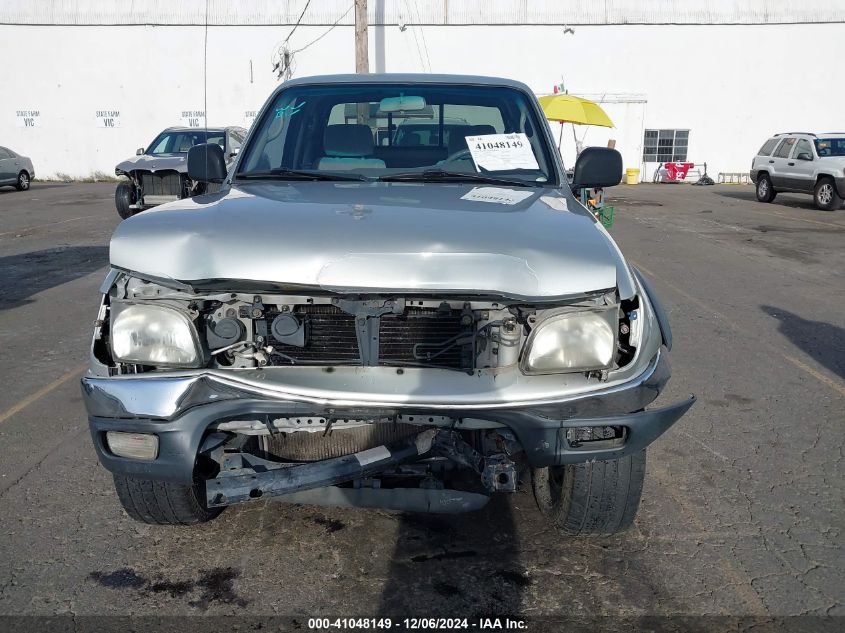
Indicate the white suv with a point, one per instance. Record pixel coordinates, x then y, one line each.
802 163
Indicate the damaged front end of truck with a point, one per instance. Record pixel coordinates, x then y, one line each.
407 403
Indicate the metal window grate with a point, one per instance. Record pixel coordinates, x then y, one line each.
665 146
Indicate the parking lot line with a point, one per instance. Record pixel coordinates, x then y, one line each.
816 375
30 399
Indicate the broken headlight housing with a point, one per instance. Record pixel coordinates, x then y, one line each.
154 335
572 341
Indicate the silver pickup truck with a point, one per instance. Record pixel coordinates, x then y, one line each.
356 323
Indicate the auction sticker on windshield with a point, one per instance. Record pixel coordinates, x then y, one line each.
502 152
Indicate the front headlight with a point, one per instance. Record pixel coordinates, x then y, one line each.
154 335
572 342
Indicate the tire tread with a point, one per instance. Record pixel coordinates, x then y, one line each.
596 497
162 502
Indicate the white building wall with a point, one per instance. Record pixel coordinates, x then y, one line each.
730 84
426 12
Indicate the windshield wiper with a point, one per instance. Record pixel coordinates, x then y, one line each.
297 174
441 175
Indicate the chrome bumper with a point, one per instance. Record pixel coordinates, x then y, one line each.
179 409
167 397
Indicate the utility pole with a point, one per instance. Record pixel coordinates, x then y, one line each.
362 59
362 54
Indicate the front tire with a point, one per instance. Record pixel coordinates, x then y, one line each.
163 502
765 191
22 183
825 195
591 498
124 196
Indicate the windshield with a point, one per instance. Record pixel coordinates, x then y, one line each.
400 131
830 147
179 142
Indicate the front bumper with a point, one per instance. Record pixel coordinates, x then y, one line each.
180 409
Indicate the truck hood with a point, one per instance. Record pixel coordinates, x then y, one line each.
145 162
376 237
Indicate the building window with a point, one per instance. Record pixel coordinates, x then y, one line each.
665 146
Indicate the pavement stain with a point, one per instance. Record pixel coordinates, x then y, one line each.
124 578
216 585
175 589
331 525
730 400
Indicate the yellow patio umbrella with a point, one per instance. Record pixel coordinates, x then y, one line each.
572 109
565 108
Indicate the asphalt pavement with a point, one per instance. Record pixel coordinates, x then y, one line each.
742 510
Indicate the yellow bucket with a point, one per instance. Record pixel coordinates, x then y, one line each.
632 176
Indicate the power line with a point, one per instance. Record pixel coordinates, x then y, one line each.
301 15
327 31
414 33
285 64
418 12
283 58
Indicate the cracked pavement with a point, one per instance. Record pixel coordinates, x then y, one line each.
742 510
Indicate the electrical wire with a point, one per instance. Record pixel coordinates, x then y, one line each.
285 64
414 33
327 31
418 13
283 58
301 15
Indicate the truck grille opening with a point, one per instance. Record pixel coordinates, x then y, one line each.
424 337
164 183
304 446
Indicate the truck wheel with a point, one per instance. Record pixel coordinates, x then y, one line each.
591 498
163 502
22 183
826 196
124 196
765 191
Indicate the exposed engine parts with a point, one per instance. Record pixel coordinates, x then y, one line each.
399 332
477 336
377 456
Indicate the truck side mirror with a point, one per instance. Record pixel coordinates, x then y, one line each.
597 167
804 156
139 151
206 163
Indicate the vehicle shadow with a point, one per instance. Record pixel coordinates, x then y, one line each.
459 565
27 274
823 342
794 201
